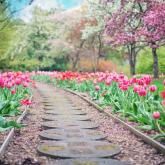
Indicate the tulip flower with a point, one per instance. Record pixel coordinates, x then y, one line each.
142 92
163 94
9 85
152 88
164 82
26 102
156 115
163 102
97 88
136 88
18 81
108 82
124 87
13 92
25 84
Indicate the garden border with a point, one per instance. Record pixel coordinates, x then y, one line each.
144 137
12 131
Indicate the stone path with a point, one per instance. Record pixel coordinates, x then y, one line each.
70 136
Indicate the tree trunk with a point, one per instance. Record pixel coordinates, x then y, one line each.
132 59
77 56
75 61
132 65
155 63
99 51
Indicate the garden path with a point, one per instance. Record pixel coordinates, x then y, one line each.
70 136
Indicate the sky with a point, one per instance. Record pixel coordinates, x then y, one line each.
25 14
67 4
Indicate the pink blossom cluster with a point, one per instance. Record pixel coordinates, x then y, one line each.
136 21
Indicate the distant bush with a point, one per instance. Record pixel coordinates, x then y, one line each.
145 61
104 65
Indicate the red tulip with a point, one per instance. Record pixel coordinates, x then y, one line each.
156 115
26 102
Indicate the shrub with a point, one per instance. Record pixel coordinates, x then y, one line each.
145 61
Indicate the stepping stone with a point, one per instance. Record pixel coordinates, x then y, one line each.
78 149
77 108
54 134
59 107
65 122
85 125
66 117
89 162
72 112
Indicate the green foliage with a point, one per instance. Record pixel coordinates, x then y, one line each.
145 61
6 36
27 46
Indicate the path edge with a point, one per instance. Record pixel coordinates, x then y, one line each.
10 135
144 137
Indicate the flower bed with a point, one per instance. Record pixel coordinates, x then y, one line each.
14 93
135 100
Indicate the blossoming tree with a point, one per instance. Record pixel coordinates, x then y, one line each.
134 24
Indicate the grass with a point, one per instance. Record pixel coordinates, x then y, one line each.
159 84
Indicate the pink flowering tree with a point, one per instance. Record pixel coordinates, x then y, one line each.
122 26
153 30
135 24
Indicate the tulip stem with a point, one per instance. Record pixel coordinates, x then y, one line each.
161 131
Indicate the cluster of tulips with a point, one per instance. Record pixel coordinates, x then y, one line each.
14 92
134 99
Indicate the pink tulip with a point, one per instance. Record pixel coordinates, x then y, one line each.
9 85
95 82
25 84
136 88
156 115
140 82
124 87
163 103
142 92
18 81
97 88
164 82
108 82
152 88
13 92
